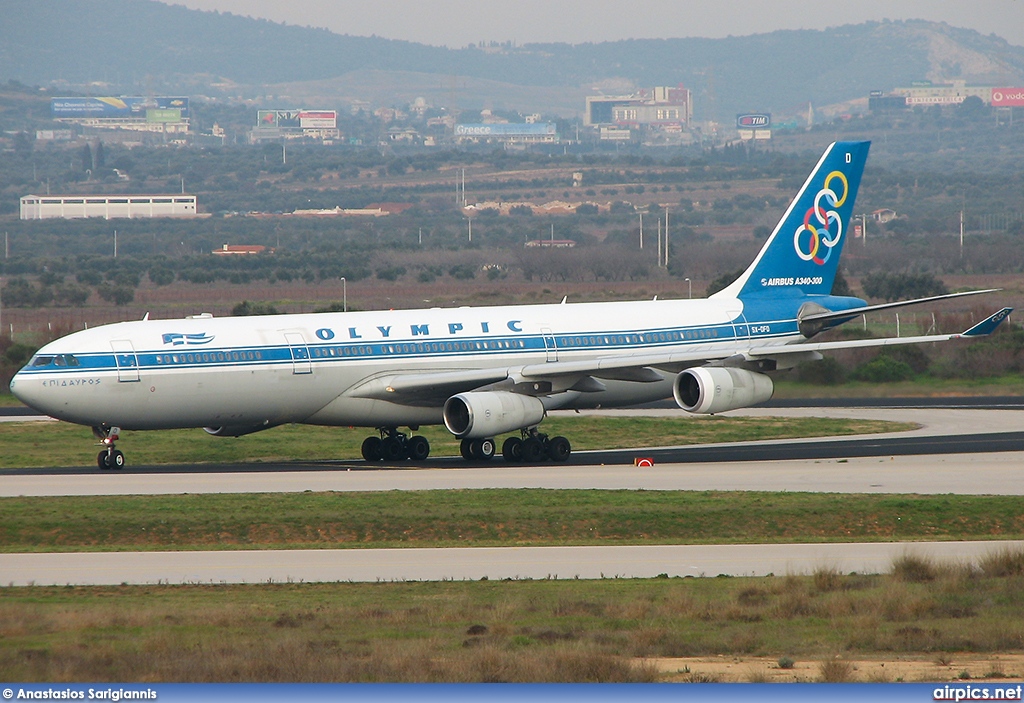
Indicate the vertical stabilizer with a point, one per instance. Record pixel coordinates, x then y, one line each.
802 254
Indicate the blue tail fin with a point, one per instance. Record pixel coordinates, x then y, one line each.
802 254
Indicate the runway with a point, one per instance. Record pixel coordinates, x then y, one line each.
946 455
472 564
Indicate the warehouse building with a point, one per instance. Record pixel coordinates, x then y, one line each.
45 207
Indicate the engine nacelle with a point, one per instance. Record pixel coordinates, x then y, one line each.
489 413
715 389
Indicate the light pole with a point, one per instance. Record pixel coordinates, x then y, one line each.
344 293
689 288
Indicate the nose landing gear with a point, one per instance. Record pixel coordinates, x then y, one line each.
109 457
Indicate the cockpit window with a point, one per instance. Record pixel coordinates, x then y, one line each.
57 360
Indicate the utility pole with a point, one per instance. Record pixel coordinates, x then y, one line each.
659 242
666 239
961 234
641 231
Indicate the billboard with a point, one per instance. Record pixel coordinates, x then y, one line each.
935 99
161 114
753 120
114 108
318 119
535 129
1008 97
297 119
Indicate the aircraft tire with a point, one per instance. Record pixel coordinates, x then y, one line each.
485 449
393 449
465 448
371 449
512 449
418 447
101 461
533 450
559 449
116 459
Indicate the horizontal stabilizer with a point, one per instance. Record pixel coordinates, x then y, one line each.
853 312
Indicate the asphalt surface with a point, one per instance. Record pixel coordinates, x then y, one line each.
473 563
935 459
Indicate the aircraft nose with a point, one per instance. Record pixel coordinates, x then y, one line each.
27 390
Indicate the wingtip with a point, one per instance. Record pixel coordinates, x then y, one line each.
989 324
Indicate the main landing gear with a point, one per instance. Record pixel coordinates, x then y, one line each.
532 447
393 445
109 457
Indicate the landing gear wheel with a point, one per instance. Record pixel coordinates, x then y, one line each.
418 448
512 449
483 449
533 450
559 449
477 449
392 449
372 449
116 459
101 461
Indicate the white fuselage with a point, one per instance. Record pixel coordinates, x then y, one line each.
253 372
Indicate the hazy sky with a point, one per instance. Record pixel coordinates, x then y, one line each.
456 23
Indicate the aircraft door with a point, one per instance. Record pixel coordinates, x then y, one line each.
301 363
739 324
549 344
126 360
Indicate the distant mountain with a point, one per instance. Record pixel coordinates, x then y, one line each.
150 47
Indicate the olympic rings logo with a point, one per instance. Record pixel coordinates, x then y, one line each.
821 240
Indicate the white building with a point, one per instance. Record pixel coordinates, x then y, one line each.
45 207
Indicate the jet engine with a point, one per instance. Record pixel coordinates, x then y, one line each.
715 389
488 413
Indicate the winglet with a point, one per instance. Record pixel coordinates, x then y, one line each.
988 325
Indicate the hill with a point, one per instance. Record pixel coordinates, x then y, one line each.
126 46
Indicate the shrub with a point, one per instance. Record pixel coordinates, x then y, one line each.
827 372
245 308
912 569
883 369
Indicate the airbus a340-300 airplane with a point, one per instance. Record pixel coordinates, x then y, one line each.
482 372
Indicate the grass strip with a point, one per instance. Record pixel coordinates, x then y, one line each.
498 517
41 444
486 631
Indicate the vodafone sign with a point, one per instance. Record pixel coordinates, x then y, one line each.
1008 97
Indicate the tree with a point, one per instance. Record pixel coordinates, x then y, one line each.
897 286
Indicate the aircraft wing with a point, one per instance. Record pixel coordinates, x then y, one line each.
985 327
427 387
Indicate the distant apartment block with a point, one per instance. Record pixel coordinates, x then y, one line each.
661 107
45 207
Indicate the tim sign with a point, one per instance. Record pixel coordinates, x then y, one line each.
1008 97
753 121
